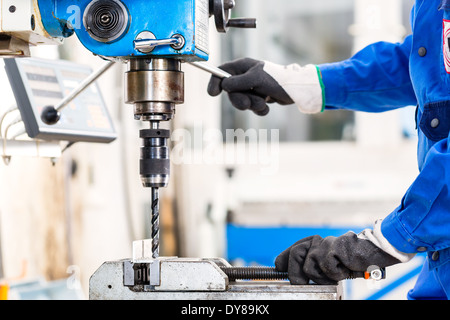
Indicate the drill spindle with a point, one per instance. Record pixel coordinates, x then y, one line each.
155 86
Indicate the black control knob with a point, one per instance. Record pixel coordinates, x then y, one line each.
50 115
243 23
221 10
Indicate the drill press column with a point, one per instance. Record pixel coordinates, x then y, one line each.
155 87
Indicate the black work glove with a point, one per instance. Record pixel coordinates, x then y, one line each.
326 261
250 87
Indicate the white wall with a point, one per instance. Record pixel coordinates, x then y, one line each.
378 21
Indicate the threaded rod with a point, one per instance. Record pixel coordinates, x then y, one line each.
254 273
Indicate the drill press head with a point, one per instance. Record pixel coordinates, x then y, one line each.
153 38
110 28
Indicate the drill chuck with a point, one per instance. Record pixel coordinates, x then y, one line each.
155 158
155 87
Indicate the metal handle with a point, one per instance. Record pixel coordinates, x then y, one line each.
243 23
83 85
52 114
146 42
211 69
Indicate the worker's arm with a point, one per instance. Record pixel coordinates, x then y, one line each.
376 79
421 221
419 224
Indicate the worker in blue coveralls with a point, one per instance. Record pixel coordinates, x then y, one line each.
381 77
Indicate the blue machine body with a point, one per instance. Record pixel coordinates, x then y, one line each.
63 18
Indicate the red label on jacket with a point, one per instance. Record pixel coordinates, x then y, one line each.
446 46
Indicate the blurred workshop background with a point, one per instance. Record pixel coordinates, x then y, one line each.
242 187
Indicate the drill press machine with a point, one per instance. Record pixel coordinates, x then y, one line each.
154 38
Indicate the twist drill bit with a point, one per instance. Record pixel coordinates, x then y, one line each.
155 222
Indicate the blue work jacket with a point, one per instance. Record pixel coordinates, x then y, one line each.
386 76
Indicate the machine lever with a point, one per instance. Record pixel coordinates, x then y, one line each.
211 69
52 114
243 23
148 45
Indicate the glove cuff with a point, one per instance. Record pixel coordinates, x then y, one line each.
303 85
376 237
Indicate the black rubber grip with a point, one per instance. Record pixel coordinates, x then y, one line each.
155 167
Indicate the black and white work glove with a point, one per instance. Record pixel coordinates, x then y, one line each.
255 83
326 261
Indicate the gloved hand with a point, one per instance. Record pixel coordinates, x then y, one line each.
255 83
326 261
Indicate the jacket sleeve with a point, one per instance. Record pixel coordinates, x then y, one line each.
421 222
376 79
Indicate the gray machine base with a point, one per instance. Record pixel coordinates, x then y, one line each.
107 283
